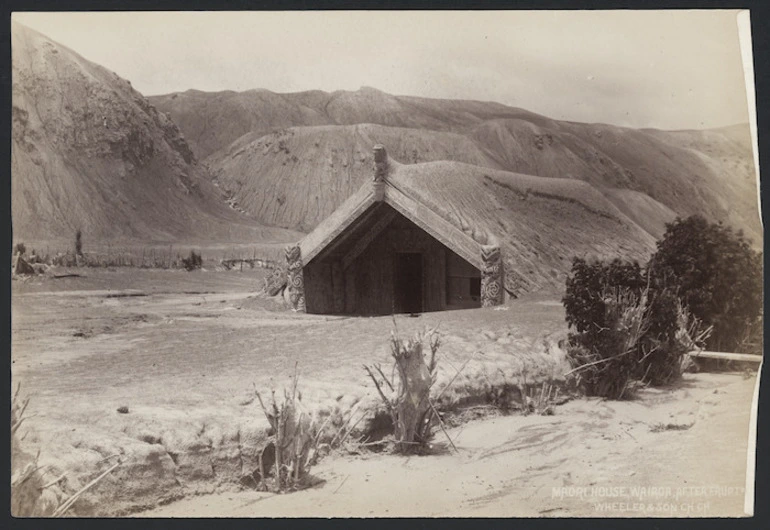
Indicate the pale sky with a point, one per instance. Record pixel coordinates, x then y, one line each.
664 69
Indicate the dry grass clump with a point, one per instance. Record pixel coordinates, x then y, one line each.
662 427
541 401
287 457
664 357
30 494
503 384
26 474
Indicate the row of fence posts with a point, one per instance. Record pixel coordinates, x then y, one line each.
150 258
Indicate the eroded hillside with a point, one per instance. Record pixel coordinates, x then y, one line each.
298 176
89 152
650 174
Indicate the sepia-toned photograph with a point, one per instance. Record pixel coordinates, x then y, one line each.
379 264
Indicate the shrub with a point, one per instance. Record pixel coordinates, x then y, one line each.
624 328
587 287
606 356
193 261
718 278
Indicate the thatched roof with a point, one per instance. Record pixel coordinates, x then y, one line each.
539 223
477 206
397 194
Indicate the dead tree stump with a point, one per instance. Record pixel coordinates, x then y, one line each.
410 409
412 403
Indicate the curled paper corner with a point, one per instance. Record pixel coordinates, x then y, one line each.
743 20
751 450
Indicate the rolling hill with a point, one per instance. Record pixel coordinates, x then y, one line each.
297 177
258 141
89 152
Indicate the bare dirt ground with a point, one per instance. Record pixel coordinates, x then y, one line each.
671 453
185 351
135 337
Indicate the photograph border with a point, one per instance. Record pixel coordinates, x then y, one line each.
760 25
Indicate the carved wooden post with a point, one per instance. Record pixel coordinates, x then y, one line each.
378 187
295 282
491 276
380 172
380 162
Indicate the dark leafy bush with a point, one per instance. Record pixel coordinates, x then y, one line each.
673 333
718 277
605 356
193 261
623 329
586 290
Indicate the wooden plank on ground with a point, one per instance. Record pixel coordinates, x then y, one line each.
744 357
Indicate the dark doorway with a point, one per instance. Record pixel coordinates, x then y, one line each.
408 283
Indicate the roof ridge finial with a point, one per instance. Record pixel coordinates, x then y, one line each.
380 163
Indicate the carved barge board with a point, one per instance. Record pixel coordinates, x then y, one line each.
336 223
450 236
342 238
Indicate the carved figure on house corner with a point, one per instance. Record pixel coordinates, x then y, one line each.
295 283
491 276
